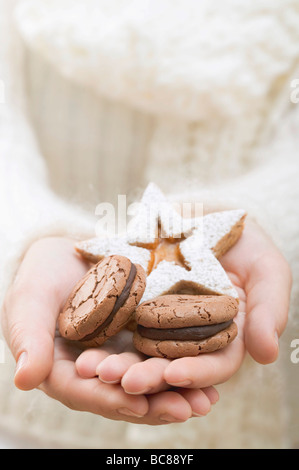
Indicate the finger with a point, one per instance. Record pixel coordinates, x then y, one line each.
198 401
90 359
113 367
168 407
268 292
29 316
110 401
29 331
208 369
212 394
145 377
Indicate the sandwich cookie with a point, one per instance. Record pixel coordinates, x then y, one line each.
102 303
179 254
173 326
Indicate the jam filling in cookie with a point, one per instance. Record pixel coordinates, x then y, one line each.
179 254
165 249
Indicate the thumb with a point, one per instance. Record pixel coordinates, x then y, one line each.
268 291
29 328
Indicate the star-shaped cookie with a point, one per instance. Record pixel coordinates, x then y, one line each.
178 254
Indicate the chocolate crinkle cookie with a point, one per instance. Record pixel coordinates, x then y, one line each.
174 326
102 303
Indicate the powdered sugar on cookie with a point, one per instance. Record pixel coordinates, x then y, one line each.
190 247
97 248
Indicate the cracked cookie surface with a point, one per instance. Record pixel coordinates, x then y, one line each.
167 325
103 301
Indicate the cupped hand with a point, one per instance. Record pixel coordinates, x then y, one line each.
262 278
48 273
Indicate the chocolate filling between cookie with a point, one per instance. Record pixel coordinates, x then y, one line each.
193 333
120 301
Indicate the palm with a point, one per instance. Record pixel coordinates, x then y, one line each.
63 268
254 265
132 386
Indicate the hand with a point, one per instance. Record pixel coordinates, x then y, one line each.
46 276
263 280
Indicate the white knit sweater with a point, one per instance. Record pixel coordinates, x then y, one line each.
109 95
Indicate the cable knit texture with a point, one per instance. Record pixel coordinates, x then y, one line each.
107 96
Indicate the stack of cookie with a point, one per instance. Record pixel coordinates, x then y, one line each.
168 281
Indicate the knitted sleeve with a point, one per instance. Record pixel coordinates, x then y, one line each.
269 192
28 208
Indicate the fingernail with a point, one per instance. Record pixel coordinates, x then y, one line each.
110 382
276 338
141 392
185 383
168 418
21 361
127 412
197 415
